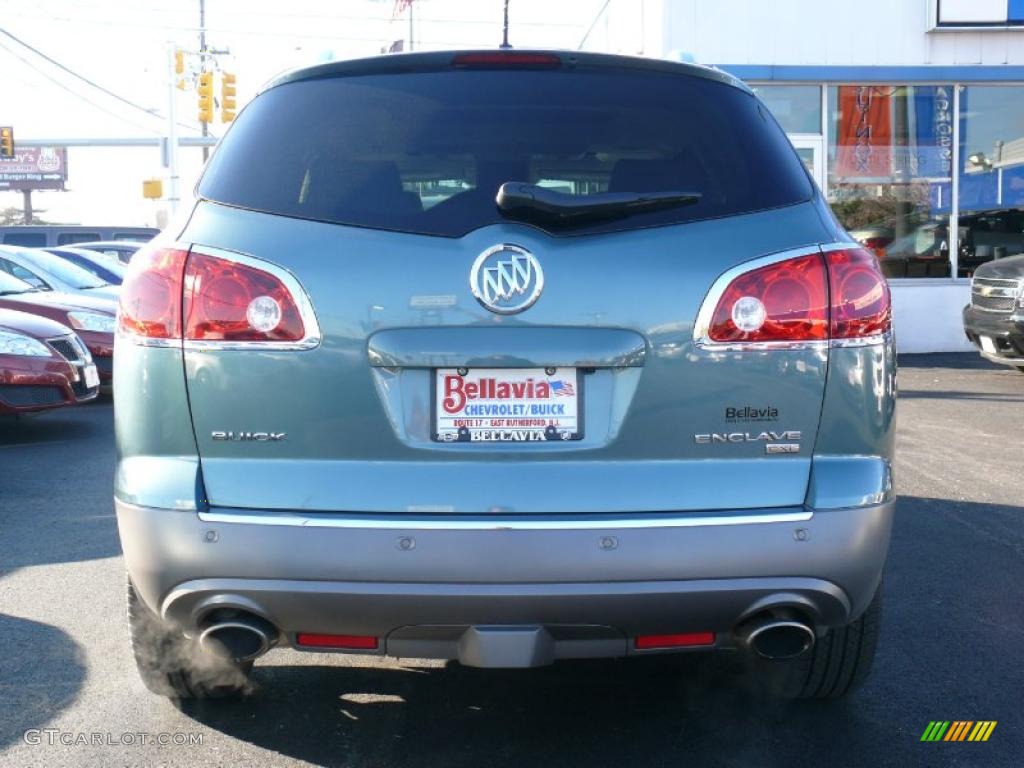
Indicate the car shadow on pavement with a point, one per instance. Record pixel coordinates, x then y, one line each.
635 712
41 672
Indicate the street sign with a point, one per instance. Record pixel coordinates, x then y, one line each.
35 168
152 189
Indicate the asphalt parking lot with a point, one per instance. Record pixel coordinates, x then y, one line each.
951 645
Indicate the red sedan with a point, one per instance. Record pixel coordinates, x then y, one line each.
92 319
43 365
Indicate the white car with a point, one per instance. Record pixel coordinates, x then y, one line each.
49 272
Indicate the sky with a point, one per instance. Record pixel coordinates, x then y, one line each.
121 45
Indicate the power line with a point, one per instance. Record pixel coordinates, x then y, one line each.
97 86
150 112
73 92
593 24
236 32
88 7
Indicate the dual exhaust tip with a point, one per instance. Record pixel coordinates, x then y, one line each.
238 636
775 638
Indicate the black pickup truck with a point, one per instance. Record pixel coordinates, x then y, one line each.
994 320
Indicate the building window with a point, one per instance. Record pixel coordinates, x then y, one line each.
890 164
991 222
796 107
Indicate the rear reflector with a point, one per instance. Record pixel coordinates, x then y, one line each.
505 59
354 642
646 642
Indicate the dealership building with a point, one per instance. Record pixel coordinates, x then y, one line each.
908 113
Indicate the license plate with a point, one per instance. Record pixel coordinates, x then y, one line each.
92 378
988 344
507 405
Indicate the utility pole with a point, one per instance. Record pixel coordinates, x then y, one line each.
202 61
504 35
411 4
29 214
172 129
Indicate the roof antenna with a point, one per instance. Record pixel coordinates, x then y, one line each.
504 42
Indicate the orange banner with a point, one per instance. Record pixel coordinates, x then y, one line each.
864 143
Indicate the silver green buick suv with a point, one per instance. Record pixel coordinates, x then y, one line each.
505 357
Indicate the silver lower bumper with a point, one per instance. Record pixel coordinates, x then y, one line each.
579 589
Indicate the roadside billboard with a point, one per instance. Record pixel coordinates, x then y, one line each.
35 168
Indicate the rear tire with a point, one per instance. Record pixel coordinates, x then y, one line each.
836 666
173 665
1020 368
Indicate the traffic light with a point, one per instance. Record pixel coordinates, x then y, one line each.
179 62
227 97
205 91
7 142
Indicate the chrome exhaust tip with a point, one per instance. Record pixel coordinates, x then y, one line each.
240 638
777 639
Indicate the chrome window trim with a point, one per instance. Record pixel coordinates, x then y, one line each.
311 326
477 523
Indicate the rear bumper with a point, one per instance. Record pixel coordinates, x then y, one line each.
422 585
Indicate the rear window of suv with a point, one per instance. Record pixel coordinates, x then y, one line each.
426 152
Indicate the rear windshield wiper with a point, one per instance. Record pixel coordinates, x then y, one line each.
518 197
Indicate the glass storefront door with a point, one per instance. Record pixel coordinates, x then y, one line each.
811 150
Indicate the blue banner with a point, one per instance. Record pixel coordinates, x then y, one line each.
932 154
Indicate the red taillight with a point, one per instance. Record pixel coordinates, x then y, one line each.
506 59
785 301
170 293
841 294
646 642
151 294
352 642
861 305
229 301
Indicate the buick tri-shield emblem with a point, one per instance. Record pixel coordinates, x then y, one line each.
506 279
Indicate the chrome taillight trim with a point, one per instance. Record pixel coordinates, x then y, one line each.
702 327
311 326
310 340
862 341
146 341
